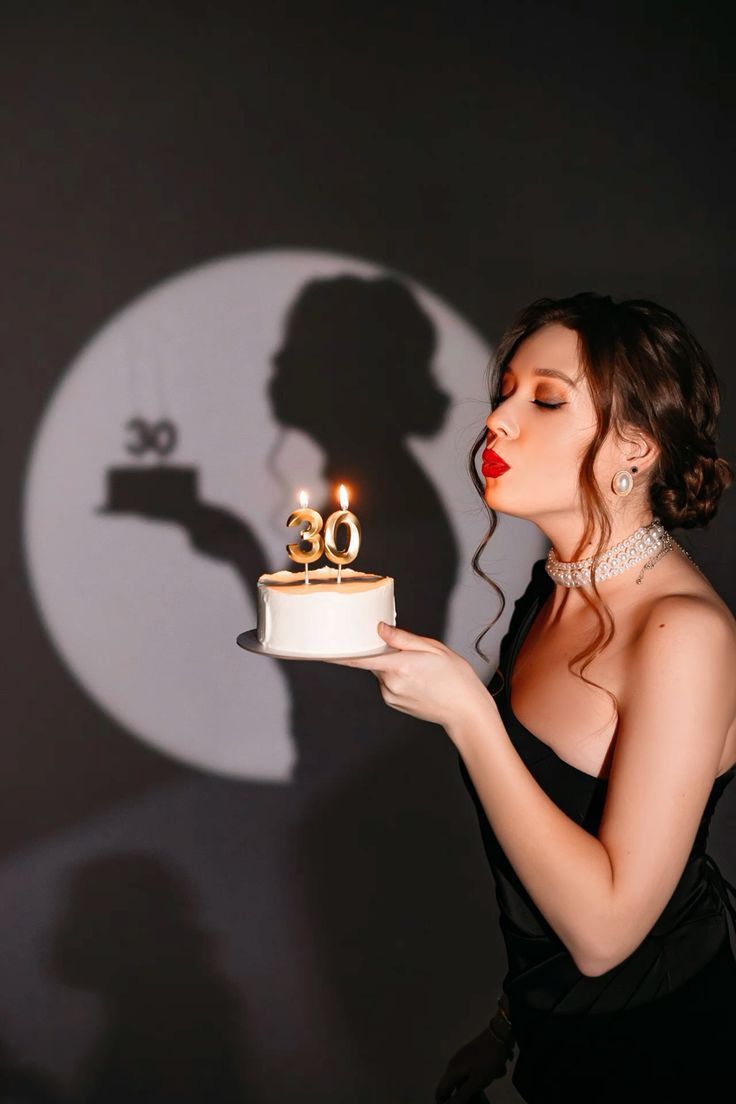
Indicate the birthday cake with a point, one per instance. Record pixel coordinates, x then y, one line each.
323 617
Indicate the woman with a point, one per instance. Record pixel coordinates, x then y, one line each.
596 763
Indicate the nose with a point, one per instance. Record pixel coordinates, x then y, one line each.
499 423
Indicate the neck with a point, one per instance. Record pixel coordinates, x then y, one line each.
565 536
623 561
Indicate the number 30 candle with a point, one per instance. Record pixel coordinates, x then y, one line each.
347 518
312 535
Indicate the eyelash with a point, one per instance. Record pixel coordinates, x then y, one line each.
535 402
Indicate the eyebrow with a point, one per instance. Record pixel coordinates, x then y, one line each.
543 372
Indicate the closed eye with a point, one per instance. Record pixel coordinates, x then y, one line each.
535 402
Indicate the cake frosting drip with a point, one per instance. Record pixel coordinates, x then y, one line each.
324 617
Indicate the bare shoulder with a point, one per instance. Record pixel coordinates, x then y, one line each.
686 600
698 613
688 638
686 628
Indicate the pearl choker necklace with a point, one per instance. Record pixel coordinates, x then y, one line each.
647 543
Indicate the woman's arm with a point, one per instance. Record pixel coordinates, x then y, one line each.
603 894
565 870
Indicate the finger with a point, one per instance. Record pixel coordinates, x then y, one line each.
402 638
352 661
374 663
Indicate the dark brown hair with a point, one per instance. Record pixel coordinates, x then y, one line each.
646 371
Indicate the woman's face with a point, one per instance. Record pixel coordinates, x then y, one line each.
542 428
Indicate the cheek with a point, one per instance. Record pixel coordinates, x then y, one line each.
607 462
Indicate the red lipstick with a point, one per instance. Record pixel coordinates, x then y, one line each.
493 465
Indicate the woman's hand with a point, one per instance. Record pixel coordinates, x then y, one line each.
423 677
475 1065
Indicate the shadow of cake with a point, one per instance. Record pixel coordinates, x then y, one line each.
155 488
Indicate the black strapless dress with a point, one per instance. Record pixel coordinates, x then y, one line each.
663 1021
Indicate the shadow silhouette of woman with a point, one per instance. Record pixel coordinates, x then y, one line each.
354 373
170 1032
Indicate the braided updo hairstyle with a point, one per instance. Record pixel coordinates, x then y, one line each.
647 371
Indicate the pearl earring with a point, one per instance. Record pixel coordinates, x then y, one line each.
622 482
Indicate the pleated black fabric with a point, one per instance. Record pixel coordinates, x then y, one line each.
663 1021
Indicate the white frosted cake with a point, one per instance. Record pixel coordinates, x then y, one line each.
324 617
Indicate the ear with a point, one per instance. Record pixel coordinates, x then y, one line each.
638 450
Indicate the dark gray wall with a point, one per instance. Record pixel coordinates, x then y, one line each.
496 154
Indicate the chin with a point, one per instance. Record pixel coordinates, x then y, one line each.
491 488
492 499
496 501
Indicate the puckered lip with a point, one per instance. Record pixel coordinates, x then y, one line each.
491 457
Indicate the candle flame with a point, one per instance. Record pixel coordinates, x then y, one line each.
344 502
303 499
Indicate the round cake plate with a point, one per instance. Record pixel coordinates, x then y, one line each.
249 640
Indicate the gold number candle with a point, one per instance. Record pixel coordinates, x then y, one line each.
312 535
342 517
